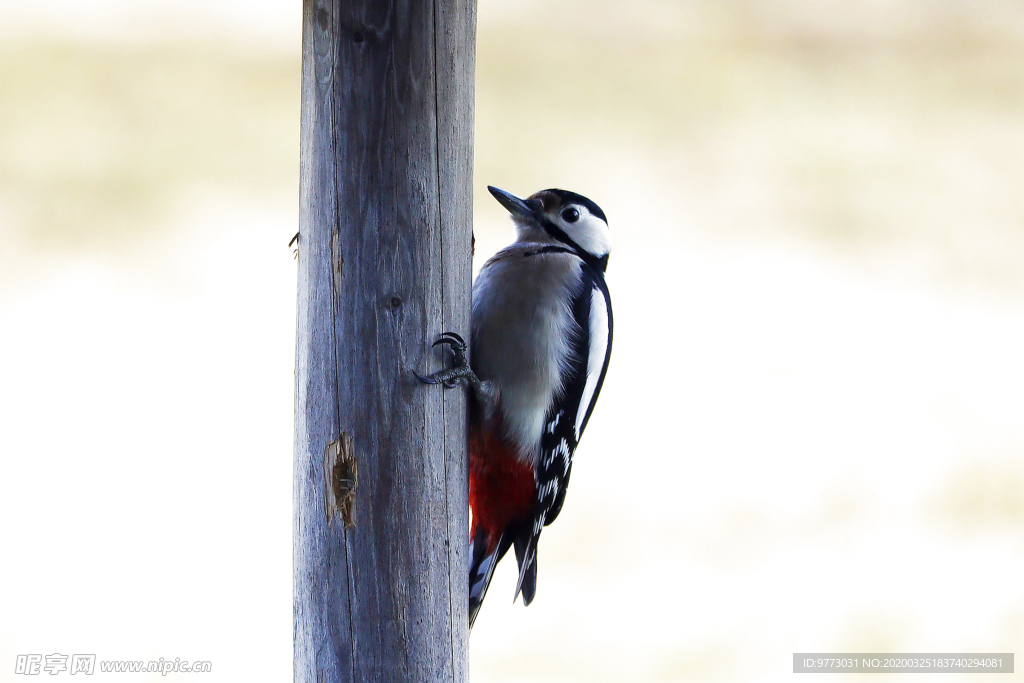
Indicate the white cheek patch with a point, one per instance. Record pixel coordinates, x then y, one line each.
590 232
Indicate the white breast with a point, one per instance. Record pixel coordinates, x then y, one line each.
521 328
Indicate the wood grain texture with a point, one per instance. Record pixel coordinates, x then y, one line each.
384 268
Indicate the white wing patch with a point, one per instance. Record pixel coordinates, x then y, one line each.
562 451
553 424
598 347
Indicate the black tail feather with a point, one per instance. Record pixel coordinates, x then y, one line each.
526 551
481 569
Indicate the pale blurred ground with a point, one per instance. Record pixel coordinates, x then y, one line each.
812 434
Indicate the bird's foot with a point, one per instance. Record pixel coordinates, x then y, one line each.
453 376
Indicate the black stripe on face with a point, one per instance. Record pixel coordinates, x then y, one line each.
599 264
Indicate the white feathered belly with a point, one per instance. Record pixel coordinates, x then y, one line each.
521 329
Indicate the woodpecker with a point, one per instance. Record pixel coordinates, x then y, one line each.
541 339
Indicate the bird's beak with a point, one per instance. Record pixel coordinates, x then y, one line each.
519 208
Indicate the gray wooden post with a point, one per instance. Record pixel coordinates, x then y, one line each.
381 514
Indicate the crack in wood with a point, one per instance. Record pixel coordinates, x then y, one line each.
337 260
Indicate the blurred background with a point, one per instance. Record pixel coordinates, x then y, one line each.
811 438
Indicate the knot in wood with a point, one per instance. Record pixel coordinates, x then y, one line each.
323 19
341 478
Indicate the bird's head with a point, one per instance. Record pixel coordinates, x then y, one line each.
561 217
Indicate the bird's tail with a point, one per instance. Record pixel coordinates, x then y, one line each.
526 557
484 558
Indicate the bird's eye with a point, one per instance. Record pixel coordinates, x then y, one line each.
570 215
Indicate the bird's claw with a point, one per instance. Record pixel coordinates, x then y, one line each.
453 376
451 338
458 346
444 377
